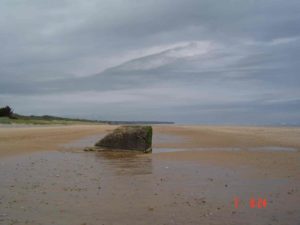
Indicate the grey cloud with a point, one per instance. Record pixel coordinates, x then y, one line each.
152 59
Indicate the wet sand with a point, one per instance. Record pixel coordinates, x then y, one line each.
46 178
23 140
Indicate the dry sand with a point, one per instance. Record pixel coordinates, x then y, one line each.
45 176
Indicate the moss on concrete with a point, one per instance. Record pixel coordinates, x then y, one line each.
149 135
128 137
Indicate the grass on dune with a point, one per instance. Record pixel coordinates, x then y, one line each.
41 121
5 120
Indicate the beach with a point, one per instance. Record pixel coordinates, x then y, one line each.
195 175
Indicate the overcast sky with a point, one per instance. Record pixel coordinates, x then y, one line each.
188 61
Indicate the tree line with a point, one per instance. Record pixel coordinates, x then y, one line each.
6 112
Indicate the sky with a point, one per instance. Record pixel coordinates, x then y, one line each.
187 61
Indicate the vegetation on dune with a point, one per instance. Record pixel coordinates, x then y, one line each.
5 120
8 117
41 121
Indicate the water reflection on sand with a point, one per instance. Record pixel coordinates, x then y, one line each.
65 187
125 162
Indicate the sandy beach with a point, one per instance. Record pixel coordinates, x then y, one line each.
193 176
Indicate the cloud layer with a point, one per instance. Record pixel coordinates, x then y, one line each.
195 61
